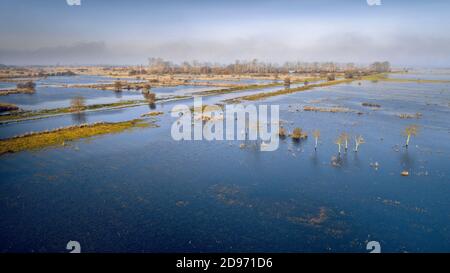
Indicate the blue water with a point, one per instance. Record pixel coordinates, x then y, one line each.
78 79
423 74
141 191
7 85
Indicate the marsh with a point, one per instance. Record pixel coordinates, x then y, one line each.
122 192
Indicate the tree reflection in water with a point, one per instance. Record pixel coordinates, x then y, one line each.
79 117
407 160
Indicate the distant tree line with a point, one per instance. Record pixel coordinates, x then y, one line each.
159 65
380 67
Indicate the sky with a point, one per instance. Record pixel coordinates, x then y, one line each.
404 32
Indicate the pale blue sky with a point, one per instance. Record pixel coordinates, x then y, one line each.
114 32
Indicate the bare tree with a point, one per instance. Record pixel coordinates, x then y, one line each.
316 134
358 141
345 138
147 87
287 82
118 86
411 130
150 97
77 104
339 141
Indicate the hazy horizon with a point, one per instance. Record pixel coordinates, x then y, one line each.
406 33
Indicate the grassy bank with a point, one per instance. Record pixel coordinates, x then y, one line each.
19 115
237 88
17 91
286 91
6 107
62 135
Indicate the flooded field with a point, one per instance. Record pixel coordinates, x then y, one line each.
50 94
113 115
141 191
422 74
240 81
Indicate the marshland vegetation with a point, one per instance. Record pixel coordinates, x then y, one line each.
60 136
326 109
7 107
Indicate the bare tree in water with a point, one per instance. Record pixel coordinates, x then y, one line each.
345 138
151 97
146 88
358 141
287 82
339 141
118 86
316 134
411 130
77 104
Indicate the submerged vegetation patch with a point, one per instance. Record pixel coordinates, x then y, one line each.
370 104
326 109
36 140
316 216
318 219
410 116
152 114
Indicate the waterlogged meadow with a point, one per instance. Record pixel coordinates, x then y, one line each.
142 191
56 92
